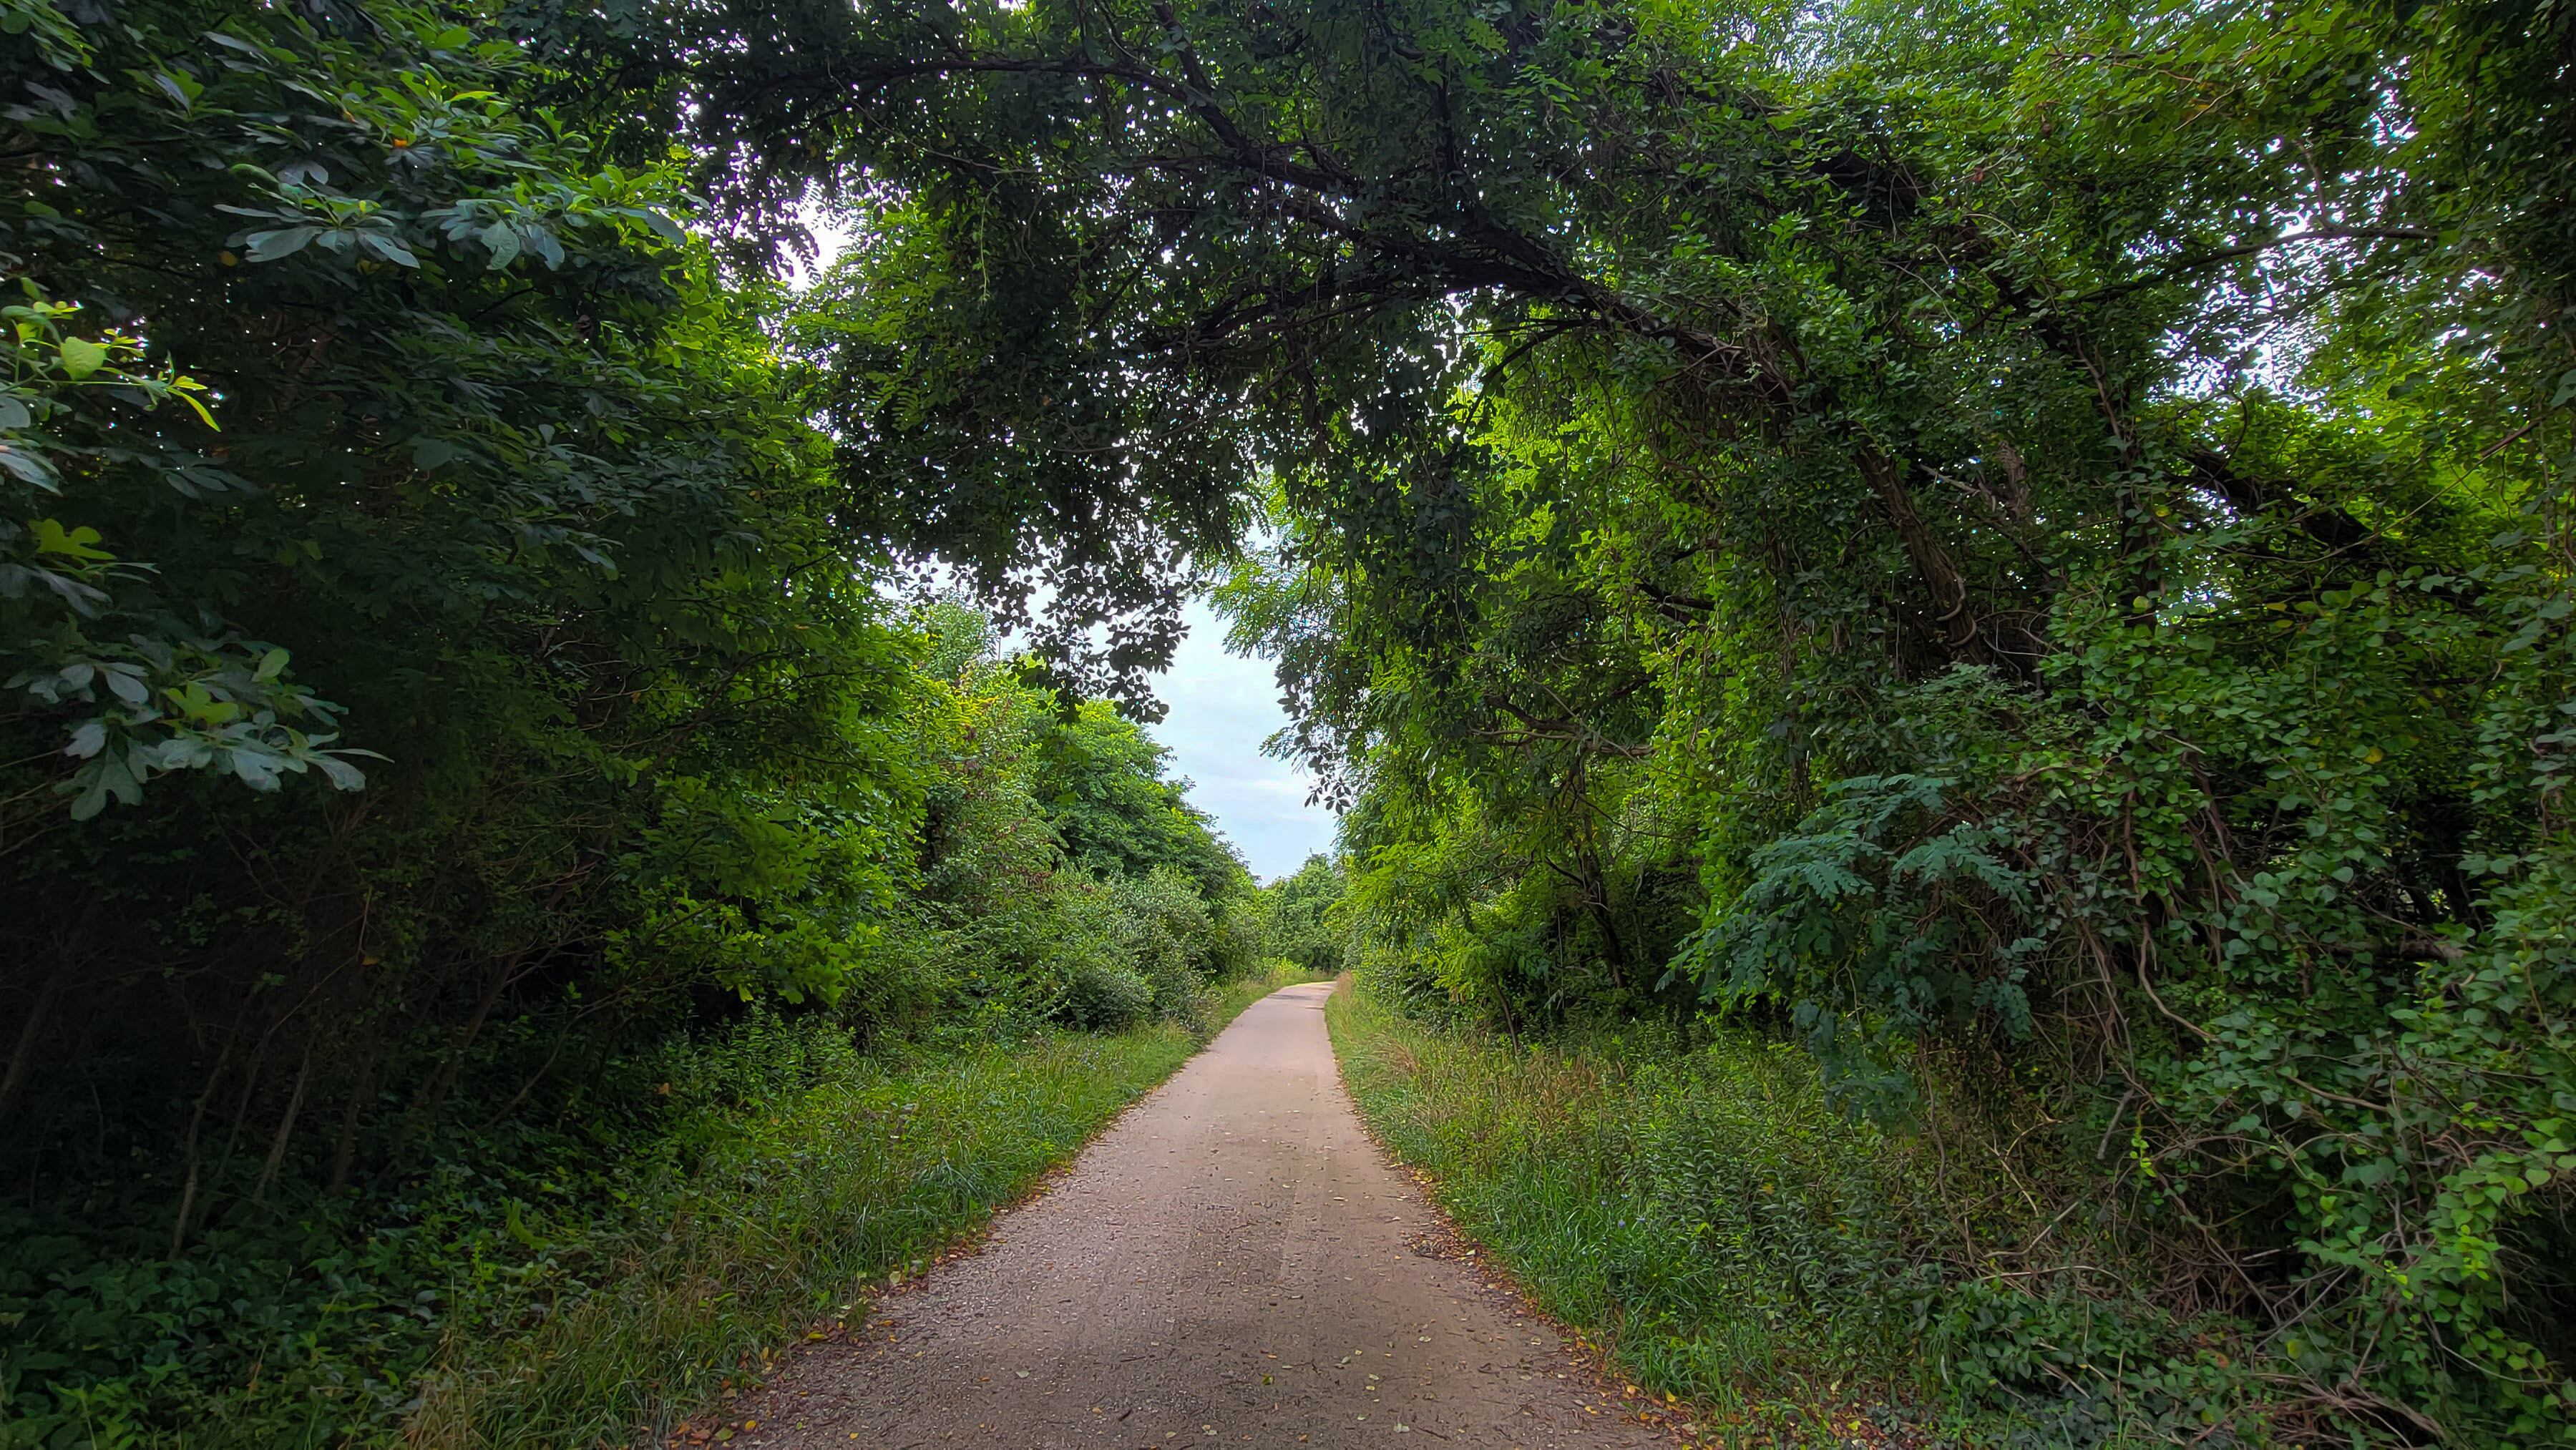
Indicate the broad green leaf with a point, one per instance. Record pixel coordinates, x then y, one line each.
82 357
269 246
28 467
78 543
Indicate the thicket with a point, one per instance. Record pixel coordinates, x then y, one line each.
468 777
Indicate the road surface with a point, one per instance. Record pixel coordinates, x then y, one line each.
1233 1263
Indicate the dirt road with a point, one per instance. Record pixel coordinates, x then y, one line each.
1234 1263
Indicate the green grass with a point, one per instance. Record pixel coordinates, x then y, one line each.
794 1225
1705 1218
1700 1212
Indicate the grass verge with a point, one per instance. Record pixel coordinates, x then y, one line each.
1703 1218
792 1225
1700 1212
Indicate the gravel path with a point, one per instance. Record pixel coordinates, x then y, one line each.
1233 1263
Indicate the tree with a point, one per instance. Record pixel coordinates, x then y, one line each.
1300 915
1103 784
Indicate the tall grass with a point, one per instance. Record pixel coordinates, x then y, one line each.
1706 1217
1701 1210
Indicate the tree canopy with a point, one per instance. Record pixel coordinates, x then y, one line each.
2029 531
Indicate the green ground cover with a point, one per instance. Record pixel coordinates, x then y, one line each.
794 1222
1695 1207
682 1271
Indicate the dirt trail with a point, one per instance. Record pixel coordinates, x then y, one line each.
1233 1263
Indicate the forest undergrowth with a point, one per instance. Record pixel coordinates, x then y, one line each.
792 1178
1693 1203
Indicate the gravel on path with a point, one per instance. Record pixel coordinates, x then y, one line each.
1233 1263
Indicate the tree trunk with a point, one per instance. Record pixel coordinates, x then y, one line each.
23 1055
345 1154
196 1125
1932 564
503 974
285 1129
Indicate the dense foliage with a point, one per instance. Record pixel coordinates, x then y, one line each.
1299 921
2037 567
450 716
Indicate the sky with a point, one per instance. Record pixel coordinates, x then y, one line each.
1222 708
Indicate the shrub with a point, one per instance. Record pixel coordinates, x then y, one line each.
1166 937
1103 997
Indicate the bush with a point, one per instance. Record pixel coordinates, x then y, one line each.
1105 998
1166 936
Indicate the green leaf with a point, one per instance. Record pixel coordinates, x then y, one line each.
179 86
27 467
256 768
52 538
189 397
663 226
269 246
389 247
82 357
128 685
